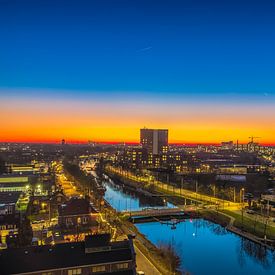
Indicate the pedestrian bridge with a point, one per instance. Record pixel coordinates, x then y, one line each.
147 214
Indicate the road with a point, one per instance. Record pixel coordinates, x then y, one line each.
143 264
68 186
167 188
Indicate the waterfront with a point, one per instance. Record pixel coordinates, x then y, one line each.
207 248
197 241
122 199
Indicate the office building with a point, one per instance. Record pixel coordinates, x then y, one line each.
155 141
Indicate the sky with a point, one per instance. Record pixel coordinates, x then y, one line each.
101 70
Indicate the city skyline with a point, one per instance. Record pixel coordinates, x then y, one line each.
33 120
83 72
137 137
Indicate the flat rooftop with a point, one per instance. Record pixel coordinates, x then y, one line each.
9 197
65 255
13 179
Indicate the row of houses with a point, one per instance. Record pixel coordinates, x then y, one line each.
96 255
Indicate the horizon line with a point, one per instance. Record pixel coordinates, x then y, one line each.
81 142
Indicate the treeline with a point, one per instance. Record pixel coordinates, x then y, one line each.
83 181
2 166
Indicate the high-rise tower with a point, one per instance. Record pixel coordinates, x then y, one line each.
155 141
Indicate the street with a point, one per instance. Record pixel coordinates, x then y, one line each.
143 264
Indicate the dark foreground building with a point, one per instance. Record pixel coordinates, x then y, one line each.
97 255
77 212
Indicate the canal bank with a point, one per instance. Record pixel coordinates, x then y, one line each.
246 228
208 248
148 255
214 218
118 199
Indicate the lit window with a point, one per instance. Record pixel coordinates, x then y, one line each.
75 271
122 266
100 268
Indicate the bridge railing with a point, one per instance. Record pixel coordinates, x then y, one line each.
154 212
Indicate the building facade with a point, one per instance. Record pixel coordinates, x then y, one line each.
97 255
155 141
77 212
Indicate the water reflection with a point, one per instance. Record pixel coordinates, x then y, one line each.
207 248
122 198
256 252
204 247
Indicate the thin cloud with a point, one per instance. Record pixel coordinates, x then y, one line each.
144 49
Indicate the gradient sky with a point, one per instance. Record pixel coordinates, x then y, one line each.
100 70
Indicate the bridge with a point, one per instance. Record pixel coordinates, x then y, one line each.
147 214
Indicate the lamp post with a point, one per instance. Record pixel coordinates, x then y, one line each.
242 192
181 184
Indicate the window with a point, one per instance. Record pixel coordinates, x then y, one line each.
47 273
75 271
99 268
10 208
69 221
122 266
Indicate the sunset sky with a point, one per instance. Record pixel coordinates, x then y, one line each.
101 70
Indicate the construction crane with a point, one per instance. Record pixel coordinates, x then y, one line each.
252 139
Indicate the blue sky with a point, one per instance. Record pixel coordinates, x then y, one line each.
184 47
102 69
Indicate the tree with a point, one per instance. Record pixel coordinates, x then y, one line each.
169 253
2 166
25 233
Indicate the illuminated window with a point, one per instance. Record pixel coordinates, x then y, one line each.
75 271
47 273
84 220
100 268
69 221
122 266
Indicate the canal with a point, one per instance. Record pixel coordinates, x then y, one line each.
204 247
122 198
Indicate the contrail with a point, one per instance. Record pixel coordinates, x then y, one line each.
144 49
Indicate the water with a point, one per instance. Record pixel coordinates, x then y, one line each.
122 199
207 248
204 247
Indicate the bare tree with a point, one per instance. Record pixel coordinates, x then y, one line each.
169 253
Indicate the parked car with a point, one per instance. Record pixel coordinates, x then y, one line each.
251 212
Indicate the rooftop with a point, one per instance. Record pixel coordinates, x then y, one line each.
9 197
61 256
13 179
76 206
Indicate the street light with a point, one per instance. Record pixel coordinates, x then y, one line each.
242 190
242 195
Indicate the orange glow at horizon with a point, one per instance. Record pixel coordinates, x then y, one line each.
80 121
